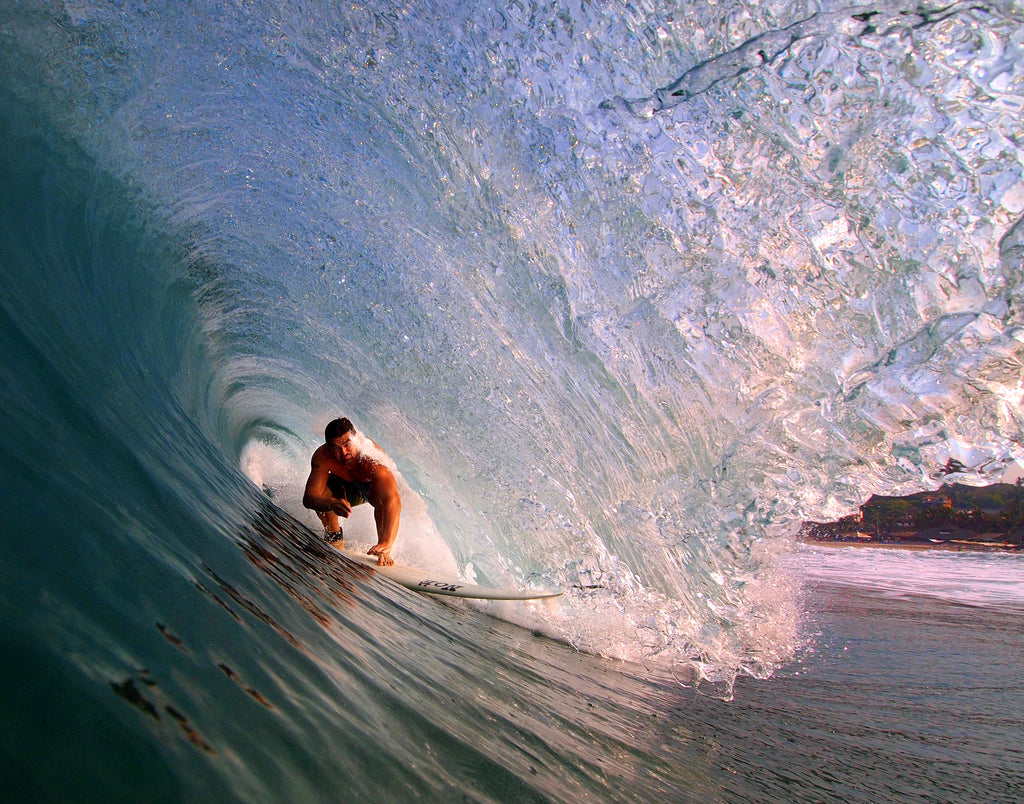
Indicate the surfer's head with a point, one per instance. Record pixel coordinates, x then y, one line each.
340 437
338 428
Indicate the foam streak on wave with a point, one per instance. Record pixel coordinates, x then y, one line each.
761 50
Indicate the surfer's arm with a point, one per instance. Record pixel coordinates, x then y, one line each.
316 495
387 510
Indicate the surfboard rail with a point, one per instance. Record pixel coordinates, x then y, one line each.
420 581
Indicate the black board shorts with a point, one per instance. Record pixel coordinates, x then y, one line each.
355 493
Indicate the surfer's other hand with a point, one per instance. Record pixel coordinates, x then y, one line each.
383 553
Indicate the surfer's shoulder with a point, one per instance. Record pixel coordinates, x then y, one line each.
320 454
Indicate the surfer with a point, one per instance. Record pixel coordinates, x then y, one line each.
344 471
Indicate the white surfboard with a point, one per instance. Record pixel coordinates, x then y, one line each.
421 581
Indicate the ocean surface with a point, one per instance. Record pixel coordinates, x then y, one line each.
626 291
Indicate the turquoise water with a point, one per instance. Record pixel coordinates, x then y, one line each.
621 349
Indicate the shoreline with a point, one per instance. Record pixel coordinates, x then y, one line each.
951 546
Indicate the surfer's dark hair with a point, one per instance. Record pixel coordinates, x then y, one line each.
338 428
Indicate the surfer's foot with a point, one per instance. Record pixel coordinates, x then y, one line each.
334 538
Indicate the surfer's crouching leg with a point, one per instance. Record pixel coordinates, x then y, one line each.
332 528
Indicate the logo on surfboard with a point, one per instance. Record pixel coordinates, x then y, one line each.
447 587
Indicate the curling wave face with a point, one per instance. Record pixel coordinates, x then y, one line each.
622 352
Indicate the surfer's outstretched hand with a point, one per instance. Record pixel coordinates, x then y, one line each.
383 553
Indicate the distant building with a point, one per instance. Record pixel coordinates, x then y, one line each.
937 500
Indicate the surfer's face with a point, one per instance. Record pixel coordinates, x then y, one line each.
343 448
